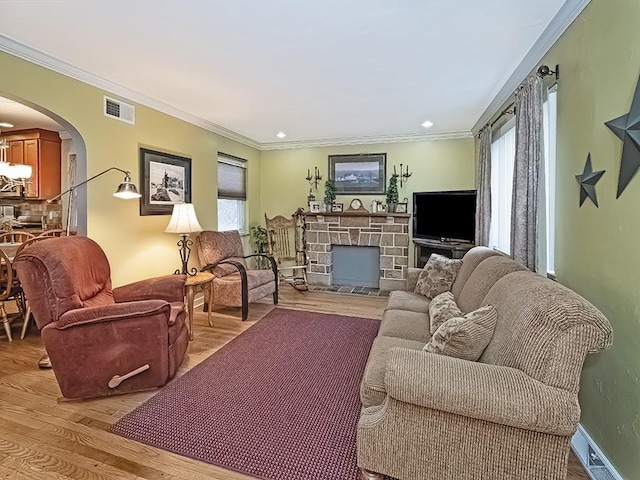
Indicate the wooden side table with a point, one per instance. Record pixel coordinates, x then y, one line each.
205 281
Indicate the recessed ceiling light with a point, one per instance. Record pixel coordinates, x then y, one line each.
281 134
6 124
427 124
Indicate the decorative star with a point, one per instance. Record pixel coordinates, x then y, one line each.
627 128
588 181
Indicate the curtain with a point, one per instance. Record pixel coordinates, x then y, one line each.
529 151
483 184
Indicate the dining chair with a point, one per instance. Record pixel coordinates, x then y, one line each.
15 236
55 232
10 289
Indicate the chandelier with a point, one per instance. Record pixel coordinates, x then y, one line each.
12 175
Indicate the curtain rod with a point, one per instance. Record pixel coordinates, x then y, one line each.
510 110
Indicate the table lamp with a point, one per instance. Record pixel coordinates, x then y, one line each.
184 221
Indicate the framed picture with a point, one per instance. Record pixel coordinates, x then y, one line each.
362 174
401 207
165 180
315 207
337 207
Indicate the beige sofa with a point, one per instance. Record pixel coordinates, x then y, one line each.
510 415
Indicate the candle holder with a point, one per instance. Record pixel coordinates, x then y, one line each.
313 180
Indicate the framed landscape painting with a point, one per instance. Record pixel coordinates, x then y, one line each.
165 181
362 174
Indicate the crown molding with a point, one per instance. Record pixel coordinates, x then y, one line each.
64 135
21 50
557 26
334 142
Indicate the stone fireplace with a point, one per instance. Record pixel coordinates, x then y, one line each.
389 232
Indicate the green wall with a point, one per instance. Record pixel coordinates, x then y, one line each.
136 246
596 248
435 164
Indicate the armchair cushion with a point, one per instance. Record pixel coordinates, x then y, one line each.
167 287
110 313
214 247
465 337
227 290
437 276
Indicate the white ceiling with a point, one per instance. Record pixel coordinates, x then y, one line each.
335 69
21 117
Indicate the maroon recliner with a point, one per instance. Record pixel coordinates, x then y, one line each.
102 341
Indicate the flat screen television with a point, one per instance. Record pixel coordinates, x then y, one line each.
445 216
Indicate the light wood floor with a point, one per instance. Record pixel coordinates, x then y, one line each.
44 436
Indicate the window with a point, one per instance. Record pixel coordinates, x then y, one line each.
502 161
550 127
232 193
503 150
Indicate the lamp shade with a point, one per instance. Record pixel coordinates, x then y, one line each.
183 219
127 190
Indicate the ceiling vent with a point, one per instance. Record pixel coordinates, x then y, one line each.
117 109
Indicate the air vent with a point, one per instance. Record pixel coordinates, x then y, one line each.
593 460
117 109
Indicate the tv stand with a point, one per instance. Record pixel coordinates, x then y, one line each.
424 248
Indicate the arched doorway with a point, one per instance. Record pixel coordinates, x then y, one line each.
23 115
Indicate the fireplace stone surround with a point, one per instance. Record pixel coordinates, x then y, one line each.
389 232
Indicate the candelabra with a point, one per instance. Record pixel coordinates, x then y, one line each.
313 180
404 175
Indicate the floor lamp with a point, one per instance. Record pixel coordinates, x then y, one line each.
126 190
184 221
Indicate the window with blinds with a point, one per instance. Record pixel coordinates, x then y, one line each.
232 193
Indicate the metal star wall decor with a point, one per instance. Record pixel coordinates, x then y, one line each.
627 128
588 181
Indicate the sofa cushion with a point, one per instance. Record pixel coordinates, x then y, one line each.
401 300
442 308
465 337
405 324
372 391
437 276
470 261
483 277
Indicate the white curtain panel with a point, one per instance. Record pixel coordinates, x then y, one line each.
529 156
503 149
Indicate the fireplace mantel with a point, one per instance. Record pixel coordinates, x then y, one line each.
388 231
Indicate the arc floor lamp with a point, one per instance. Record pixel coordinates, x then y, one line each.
126 190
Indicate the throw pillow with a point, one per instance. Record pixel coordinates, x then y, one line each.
465 337
442 308
437 276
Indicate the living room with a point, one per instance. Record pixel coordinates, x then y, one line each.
597 56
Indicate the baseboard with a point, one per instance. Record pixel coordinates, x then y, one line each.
593 460
198 300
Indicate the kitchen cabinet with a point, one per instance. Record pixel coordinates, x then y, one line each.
40 149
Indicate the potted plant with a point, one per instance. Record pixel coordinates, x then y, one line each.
392 193
329 194
261 239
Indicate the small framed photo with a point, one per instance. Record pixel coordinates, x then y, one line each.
315 207
402 207
337 207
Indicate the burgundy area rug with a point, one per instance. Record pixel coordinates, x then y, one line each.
279 402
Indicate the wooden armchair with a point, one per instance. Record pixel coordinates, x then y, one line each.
235 284
285 246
